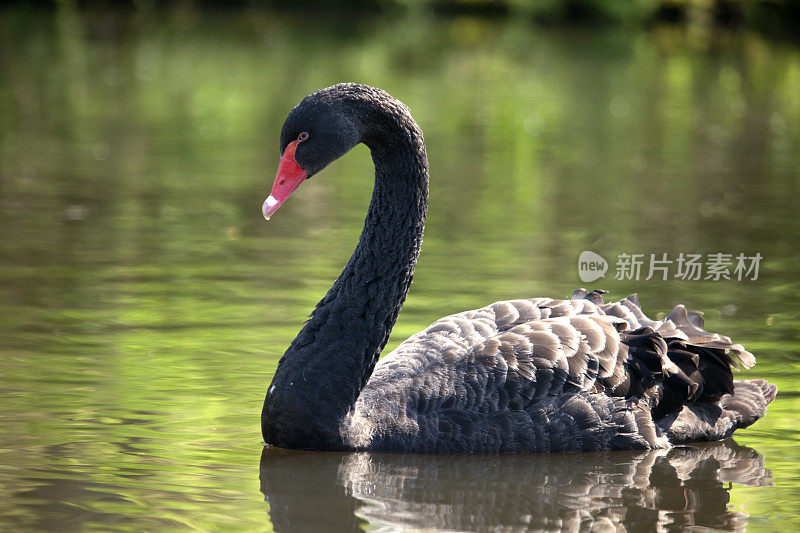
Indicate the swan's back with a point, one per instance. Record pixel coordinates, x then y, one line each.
556 375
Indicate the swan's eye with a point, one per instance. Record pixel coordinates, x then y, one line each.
303 136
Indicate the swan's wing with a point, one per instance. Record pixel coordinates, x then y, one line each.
693 396
573 373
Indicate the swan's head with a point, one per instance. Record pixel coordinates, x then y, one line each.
319 130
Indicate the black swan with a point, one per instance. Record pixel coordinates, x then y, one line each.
531 375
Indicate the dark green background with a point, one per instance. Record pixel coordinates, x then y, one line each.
144 302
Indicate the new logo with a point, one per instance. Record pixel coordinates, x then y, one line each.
591 266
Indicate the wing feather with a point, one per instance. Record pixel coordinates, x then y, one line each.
547 370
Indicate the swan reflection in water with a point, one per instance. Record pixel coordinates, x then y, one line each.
652 490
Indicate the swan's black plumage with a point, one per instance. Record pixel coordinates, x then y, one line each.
523 375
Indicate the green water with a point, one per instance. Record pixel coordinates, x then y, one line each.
144 302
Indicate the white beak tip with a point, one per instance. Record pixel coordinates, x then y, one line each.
269 207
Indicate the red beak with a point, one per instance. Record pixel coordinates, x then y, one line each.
290 176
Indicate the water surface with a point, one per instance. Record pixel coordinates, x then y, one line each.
144 303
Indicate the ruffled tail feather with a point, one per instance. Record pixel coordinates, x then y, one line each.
684 372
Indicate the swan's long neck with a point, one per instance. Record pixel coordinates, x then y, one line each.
325 368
